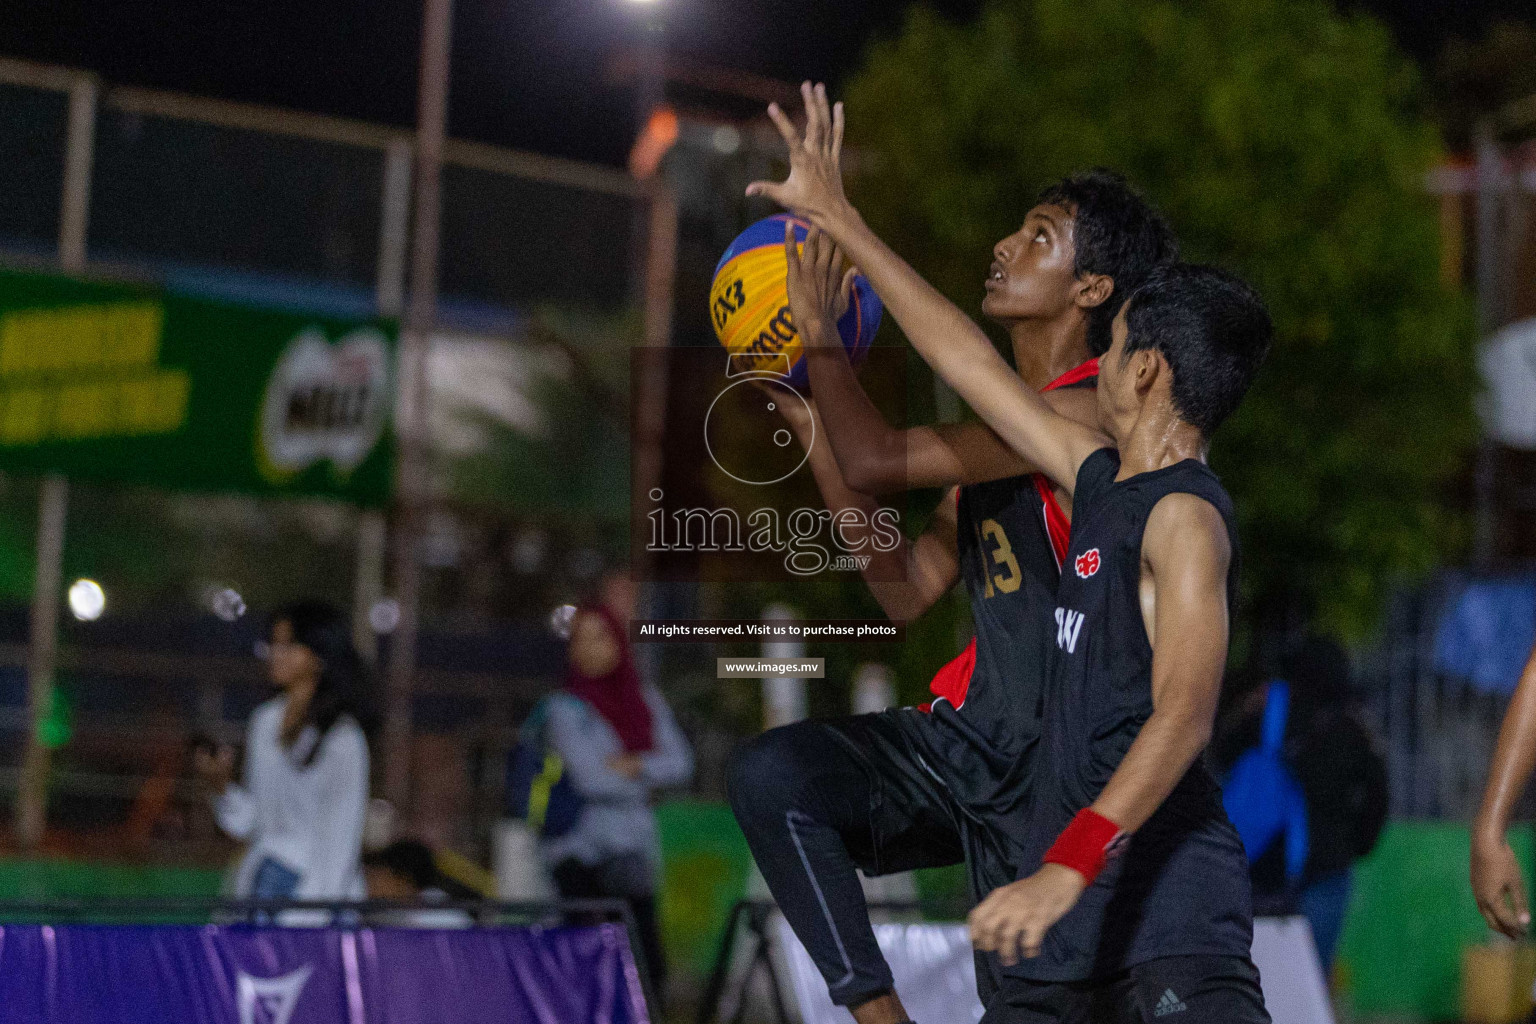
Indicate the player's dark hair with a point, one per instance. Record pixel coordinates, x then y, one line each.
1118 234
1213 330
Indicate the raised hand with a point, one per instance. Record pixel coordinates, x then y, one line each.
818 287
814 188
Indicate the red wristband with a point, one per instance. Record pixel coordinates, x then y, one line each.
1086 844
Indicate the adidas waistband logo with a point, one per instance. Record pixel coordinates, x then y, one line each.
1168 1004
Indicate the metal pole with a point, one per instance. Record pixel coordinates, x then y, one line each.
650 419
53 500
431 119
80 145
394 245
650 93
654 278
32 798
1491 279
394 228
649 422
368 580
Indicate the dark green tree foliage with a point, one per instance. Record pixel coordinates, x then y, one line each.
1283 141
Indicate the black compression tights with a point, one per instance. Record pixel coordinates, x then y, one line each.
816 800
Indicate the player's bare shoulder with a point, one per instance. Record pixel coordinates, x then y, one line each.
1186 529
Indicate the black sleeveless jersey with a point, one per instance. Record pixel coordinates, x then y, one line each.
984 723
1180 886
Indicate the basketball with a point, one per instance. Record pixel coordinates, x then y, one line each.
749 306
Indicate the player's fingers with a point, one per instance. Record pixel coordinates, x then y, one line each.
1016 945
1521 911
983 923
812 129
1032 939
837 133
844 289
823 119
785 126
768 189
1489 909
835 263
1501 917
824 252
1000 941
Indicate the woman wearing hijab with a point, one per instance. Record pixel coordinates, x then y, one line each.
303 792
619 743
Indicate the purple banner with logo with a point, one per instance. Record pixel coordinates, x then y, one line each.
217 974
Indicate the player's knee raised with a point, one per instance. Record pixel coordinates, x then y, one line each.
762 773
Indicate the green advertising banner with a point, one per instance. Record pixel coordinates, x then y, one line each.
139 385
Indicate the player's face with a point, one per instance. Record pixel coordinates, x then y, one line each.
1032 269
1116 392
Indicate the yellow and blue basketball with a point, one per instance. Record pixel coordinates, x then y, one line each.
749 305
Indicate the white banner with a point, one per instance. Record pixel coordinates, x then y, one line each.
1508 362
936 976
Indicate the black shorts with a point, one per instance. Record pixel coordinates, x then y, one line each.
1171 990
914 821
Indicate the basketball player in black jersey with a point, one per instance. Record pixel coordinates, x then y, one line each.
906 788
1134 900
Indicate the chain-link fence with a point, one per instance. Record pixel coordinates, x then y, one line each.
178 182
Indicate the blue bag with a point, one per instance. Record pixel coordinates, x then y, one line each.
1261 794
538 790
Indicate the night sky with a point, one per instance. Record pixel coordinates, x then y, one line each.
527 73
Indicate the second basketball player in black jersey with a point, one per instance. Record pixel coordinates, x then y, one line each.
912 788
1134 900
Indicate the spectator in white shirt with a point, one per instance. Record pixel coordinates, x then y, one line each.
303 795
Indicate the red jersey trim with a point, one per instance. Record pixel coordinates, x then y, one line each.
1056 522
953 681
1057 525
1075 376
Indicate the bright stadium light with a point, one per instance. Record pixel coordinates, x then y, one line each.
560 620
227 604
87 600
384 615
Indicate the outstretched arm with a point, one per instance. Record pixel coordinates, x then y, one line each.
1496 879
943 335
906 577
1187 551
